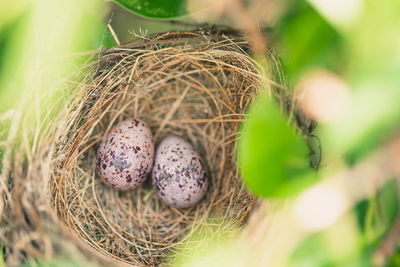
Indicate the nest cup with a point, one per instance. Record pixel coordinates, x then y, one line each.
196 85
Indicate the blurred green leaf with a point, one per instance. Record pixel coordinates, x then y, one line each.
374 41
30 42
388 201
308 41
310 252
272 156
10 10
12 57
395 260
159 9
338 245
1 255
375 217
314 251
212 235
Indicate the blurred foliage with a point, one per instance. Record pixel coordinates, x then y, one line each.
376 215
318 250
28 40
40 59
9 11
208 238
273 157
12 55
308 41
1 256
374 64
41 42
158 9
375 116
352 247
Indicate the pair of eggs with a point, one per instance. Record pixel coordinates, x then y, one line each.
125 159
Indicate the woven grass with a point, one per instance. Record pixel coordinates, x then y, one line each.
197 85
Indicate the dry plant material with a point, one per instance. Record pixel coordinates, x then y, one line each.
192 84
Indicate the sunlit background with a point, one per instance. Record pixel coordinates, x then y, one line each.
341 61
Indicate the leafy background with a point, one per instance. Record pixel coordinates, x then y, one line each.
344 214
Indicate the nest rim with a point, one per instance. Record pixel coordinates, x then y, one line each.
234 85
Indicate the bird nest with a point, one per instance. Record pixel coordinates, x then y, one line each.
197 85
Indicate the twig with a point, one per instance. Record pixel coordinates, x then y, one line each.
114 35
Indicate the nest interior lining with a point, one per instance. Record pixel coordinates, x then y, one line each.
194 85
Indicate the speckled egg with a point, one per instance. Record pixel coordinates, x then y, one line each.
125 157
178 175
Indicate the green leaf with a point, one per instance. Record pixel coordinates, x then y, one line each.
375 216
318 249
12 53
272 156
204 244
388 200
308 41
310 252
159 9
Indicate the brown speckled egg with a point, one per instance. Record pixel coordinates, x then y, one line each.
125 157
178 175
